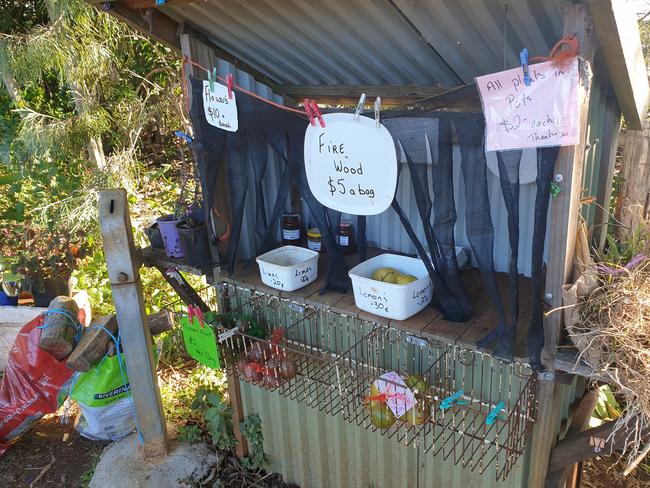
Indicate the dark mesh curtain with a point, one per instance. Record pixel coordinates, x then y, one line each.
505 332
423 138
260 125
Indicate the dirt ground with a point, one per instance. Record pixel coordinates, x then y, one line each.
50 455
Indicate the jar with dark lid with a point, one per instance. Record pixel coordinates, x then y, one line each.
345 237
314 239
291 229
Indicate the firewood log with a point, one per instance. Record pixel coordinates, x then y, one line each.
95 342
60 328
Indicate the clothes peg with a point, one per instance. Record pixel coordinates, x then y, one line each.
494 413
184 136
160 2
555 189
229 82
307 106
523 57
453 399
377 110
317 113
362 101
212 78
194 311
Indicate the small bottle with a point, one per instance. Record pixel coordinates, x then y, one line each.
345 237
314 239
291 229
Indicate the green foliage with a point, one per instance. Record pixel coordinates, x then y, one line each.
607 408
190 433
620 251
251 428
218 420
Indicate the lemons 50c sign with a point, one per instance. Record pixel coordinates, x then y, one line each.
351 165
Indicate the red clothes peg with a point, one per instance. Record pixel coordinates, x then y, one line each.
317 113
194 311
307 105
229 82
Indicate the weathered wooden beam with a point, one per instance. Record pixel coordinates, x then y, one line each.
590 443
579 422
618 34
433 96
123 271
565 208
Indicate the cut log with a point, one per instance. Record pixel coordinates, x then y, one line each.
60 327
160 322
95 342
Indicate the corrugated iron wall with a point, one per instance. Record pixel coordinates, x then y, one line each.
316 450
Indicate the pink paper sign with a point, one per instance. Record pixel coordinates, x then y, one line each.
545 113
399 397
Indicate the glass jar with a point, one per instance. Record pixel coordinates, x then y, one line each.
314 239
345 237
291 229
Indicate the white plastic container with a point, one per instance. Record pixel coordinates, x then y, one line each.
288 268
397 302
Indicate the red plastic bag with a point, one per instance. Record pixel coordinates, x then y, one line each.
34 384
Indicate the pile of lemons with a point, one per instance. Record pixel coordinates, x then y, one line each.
391 275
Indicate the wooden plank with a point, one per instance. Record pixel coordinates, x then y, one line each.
609 143
152 257
563 222
431 97
126 287
566 206
579 422
633 202
617 30
591 443
182 288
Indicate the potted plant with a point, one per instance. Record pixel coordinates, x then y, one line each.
45 257
194 240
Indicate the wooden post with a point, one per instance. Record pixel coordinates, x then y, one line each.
564 221
123 271
204 55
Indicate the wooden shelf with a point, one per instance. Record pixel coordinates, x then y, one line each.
428 323
157 257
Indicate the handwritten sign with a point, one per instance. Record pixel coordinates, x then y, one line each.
220 110
351 165
399 397
200 342
542 114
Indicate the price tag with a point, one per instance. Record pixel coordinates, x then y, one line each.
545 113
220 111
351 165
399 397
200 342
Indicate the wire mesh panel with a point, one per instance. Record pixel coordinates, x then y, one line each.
471 408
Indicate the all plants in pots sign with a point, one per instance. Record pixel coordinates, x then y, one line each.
351 164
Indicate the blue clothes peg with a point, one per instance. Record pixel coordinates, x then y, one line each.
453 399
183 136
494 413
523 57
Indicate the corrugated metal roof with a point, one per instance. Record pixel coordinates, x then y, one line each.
376 42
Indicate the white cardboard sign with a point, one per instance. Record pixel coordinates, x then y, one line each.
220 111
545 113
351 165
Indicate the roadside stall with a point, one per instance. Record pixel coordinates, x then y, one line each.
388 250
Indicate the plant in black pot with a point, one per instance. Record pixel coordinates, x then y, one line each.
45 257
194 240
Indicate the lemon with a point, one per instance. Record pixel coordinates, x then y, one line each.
405 279
381 273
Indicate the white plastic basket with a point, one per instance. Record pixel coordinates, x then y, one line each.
393 301
288 268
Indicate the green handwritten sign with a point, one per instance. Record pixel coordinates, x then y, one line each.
200 342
